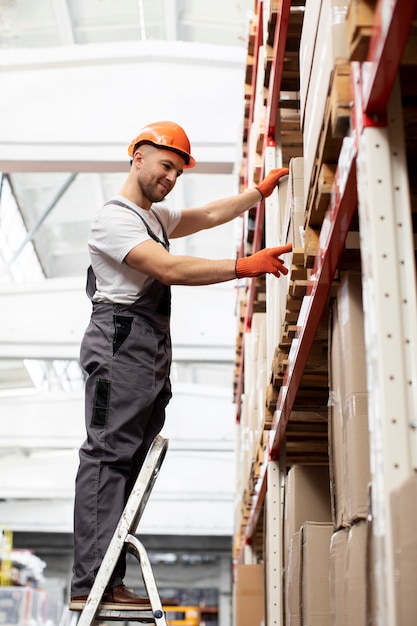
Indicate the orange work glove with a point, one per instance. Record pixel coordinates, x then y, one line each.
267 186
266 261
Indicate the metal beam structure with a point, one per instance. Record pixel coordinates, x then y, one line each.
32 232
390 312
344 200
274 514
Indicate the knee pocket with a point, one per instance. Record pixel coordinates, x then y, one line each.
101 404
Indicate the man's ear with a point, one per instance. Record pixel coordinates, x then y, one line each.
137 157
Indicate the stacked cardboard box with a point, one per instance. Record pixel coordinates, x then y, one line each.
285 226
293 223
249 595
404 523
307 533
255 374
250 440
355 589
323 44
348 420
349 455
307 586
274 220
338 557
292 582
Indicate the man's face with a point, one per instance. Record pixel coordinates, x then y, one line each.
157 171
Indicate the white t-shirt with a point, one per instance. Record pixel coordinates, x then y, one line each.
115 231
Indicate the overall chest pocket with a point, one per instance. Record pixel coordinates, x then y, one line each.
135 352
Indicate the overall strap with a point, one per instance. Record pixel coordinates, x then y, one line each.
151 234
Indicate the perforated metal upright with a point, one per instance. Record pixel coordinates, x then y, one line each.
390 312
275 470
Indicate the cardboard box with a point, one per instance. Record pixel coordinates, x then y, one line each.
294 199
352 338
336 431
357 457
255 374
337 574
404 524
349 441
307 581
249 595
274 288
307 499
314 574
331 47
353 395
292 583
278 232
355 602
295 203
307 45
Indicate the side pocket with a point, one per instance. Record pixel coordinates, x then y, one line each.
101 404
122 328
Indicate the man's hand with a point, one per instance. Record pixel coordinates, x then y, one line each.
265 261
267 186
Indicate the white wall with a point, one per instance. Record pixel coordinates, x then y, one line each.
76 109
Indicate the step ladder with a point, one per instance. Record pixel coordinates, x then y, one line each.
124 538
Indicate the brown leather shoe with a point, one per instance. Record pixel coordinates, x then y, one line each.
117 599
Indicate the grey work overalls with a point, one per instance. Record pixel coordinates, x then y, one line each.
126 352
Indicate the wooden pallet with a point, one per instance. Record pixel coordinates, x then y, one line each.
306 438
335 124
360 19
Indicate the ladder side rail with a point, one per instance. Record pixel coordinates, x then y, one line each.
148 579
127 524
145 481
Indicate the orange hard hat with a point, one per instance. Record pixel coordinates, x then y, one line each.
166 135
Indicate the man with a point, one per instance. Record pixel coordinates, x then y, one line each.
126 349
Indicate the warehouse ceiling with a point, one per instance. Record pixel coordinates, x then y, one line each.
50 189
56 208
46 23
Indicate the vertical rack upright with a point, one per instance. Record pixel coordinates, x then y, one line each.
371 181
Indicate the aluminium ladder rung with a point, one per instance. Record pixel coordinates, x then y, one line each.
145 617
124 536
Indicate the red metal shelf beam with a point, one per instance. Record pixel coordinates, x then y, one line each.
277 67
257 503
393 20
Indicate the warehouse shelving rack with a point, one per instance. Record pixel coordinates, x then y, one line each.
371 182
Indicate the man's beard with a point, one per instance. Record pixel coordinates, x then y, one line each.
152 194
